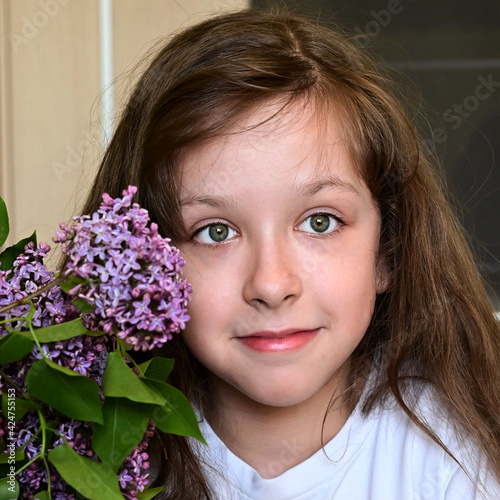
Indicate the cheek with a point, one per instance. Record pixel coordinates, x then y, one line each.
345 282
209 303
343 265
210 298
197 335
205 333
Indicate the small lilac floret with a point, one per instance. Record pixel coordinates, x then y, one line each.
133 276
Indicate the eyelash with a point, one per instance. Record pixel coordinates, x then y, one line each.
214 245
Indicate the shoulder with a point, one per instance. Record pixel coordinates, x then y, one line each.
425 469
382 455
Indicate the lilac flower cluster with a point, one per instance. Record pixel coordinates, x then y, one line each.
83 354
34 477
132 276
27 276
86 355
132 476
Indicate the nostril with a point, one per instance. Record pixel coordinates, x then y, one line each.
270 302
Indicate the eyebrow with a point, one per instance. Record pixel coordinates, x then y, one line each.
328 182
213 201
308 189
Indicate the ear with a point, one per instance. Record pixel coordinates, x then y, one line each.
382 276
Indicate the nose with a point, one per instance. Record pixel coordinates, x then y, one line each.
273 275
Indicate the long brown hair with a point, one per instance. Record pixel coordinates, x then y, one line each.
434 323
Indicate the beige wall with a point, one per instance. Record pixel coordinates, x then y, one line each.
50 124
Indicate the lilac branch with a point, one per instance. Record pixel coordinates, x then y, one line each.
27 299
11 382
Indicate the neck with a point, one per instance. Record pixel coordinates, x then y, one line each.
275 439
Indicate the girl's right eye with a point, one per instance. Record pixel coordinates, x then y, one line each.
214 233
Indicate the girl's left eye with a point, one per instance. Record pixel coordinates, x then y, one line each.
320 224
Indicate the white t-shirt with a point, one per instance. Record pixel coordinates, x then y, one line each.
383 456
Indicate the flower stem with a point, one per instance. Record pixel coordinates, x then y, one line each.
27 299
124 354
43 426
12 383
11 320
36 457
30 326
27 464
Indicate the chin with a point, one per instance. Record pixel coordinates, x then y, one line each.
279 395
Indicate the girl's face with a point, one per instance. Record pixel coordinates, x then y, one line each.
282 257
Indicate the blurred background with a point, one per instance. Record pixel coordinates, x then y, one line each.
66 67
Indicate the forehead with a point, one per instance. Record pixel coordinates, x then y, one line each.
297 141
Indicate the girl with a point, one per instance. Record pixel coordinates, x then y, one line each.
341 343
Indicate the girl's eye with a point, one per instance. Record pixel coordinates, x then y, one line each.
320 224
214 233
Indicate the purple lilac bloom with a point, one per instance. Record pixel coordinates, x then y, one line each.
83 354
52 306
132 276
34 477
133 475
28 275
74 353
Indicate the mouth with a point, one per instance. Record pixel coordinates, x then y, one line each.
278 341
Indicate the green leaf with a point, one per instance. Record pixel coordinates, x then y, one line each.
177 415
124 426
71 393
42 495
82 305
62 331
125 345
63 369
157 368
18 455
10 254
70 282
20 408
14 346
149 493
8 492
4 222
119 381
92 479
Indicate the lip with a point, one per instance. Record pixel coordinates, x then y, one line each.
278 341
